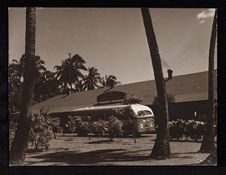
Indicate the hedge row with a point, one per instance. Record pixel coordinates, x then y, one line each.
111 127
187 129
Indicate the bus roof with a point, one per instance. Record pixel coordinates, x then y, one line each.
99 108
135 107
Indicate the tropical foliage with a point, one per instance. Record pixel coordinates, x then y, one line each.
187 129
109 81
70 76
92 80
15 79
132 100
69 72
43 128
46 86
83 126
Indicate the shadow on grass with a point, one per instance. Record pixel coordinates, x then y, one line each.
91 157
100 142
188 141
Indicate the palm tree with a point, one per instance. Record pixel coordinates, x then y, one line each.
161 147
14 88
16 73
45 87
109 80
208 144
69 72
17 68
92 80
20 142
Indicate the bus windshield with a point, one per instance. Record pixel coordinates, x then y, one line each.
143 113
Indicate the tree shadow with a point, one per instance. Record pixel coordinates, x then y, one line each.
91 157
188 141
99 142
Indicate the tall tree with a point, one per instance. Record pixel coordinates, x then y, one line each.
16 68
15 80
14 86
161 147
109 80
208 144
20 142
92 80
69 72
45 87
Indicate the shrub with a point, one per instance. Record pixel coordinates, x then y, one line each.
83 125
99 127
176 129
80 125
55 122
114 127
42 131
128 118
189 129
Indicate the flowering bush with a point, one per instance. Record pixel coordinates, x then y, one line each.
83 125
188 129
55 122
99 127
114 127
42 131
176 129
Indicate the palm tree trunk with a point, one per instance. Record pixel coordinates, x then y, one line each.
20 142
208 144
161 147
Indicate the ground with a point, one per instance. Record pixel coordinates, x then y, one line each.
71 150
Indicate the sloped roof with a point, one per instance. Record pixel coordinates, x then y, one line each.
190 87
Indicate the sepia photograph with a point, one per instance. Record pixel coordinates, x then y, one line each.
112 86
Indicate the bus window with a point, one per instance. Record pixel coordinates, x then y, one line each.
143 113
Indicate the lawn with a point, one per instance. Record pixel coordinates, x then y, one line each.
98 151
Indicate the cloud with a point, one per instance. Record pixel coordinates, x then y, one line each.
202 16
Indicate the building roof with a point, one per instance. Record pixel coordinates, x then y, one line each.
184 88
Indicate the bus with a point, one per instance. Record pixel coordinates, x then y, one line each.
135 118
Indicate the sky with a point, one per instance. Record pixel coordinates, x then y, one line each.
113 40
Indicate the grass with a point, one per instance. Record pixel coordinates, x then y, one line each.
70 150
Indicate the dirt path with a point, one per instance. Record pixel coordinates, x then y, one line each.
77 151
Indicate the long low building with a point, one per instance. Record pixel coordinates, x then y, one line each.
190 92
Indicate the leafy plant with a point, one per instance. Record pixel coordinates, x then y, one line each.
43 129
114 127
187 129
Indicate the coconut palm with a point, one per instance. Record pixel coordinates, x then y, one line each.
45 87
208 144
92 80
109 80
69 72
20 142
17 68
15 72
14 87
161 147
15 79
